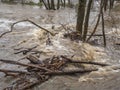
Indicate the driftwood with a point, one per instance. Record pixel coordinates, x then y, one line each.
114 67
25 65
30 85
68 72
43 70
84 62
34 59
26 20
25 51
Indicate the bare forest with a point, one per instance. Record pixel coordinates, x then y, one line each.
60 44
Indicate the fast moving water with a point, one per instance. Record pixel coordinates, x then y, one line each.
25 31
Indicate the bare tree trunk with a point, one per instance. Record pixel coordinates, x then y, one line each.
103 28
58 4
64 3
105 4
111 4
48 3
52 4
80 17
45 4
86 24
98 20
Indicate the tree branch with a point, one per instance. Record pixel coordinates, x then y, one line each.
26 20
84 62
25 65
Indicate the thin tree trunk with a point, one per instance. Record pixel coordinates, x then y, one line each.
48 3
103 28
80 17
52 4
64 3
111 4
86 24
45 4
58 4
105 4
98 20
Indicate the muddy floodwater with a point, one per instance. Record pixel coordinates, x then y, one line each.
26 35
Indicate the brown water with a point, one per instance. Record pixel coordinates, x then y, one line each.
30 34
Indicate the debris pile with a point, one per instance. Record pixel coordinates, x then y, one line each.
39 71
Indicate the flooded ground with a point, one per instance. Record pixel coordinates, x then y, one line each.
27 35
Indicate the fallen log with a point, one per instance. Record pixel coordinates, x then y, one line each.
28 86
66 72
22 64
112 67
85 62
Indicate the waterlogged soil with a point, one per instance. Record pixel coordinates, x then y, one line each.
26 35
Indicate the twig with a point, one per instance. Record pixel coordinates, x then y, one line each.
64 27
26 20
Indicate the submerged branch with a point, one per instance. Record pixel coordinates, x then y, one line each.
26 20
25 65
66 72
84 62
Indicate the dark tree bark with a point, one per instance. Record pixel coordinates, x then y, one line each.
52 5
58 4
105 4
46 6
48 3
111 4
86 24
80 17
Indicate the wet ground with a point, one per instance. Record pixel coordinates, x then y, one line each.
26 35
